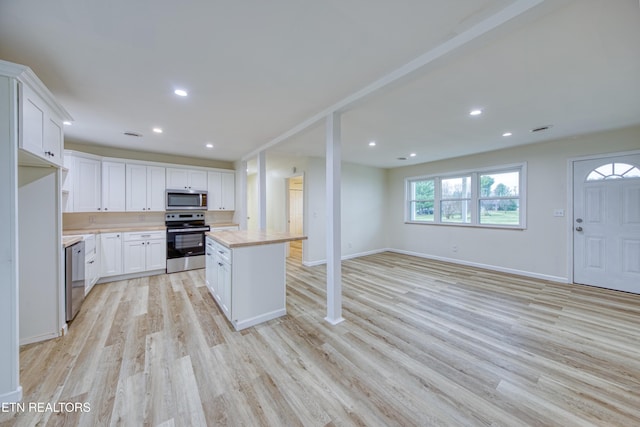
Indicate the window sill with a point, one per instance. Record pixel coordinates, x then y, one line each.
490 226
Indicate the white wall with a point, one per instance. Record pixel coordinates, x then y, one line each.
363 205
541 250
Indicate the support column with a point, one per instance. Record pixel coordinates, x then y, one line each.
334 252
241 196
262 190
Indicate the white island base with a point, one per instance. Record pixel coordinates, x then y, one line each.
246 274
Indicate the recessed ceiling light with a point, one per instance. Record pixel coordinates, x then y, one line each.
66 123
412 155
372 144
507 134
475 112
209 145
402 158
180 92
157 130
134 134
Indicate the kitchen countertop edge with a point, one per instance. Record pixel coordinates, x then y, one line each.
244 238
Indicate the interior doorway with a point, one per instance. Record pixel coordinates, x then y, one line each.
295 214
606 222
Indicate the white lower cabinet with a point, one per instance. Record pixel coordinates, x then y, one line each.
248 283
144 251
111 248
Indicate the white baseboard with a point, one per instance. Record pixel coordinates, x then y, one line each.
451 260
484 266
345 257
247 323
38 338
12 396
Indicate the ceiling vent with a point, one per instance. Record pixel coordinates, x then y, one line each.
541 128
402 158
134 134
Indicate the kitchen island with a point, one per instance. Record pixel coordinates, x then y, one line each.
246 274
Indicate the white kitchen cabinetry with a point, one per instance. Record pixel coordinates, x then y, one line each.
41 127
111 248
145 188
218 275
186 179
87 184
144 251
222 191
211 272
113 186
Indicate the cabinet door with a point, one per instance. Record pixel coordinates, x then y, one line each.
214 196
113 187
111 248
156 256
87 185
197 180
228 191
177 179
135 257
53 140
156 186
224 286
33 120
210 266
136 183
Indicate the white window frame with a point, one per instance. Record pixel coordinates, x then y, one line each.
475 199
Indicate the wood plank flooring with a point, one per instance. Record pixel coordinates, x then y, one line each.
424 343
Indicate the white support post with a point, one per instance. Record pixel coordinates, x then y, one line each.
241 191
334 255
262 191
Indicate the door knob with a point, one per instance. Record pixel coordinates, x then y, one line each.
578 228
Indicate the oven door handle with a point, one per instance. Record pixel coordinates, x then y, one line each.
187 230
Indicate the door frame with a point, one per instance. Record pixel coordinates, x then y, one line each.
286 205
570 206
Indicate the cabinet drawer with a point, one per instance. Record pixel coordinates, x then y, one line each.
223 253
147 235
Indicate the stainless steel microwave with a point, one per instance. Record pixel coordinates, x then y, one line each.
178 200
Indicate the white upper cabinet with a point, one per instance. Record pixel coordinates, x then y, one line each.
40 117
145 188
222 191
113 186
87 186
186 179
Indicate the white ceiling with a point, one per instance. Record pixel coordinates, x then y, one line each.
255 70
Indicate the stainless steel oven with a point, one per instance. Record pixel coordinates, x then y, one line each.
185 240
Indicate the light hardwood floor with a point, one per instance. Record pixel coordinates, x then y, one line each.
424 343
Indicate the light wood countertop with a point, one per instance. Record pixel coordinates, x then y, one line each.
71 240
243 238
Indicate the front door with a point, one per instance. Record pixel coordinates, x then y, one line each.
606 222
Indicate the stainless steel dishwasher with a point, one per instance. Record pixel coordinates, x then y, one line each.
74 278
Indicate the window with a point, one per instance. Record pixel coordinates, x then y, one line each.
421 200
614 171
499 198
455 199
485 198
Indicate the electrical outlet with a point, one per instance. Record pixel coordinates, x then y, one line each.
454 248
141 218
558 212
92 219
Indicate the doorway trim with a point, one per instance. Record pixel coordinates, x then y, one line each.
287 180
570 206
